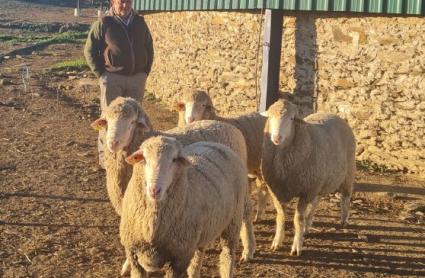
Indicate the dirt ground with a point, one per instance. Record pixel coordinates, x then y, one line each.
56 219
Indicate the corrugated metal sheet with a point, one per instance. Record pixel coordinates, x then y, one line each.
401 7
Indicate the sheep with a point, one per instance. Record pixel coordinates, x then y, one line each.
127 126
306 159
188 197
196 105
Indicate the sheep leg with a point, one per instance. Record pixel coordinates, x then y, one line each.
345 206
299 223
194 270
137 271
125 268
247 232
261 192
280 222
229 244
310 213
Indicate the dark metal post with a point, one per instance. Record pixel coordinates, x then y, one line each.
271 58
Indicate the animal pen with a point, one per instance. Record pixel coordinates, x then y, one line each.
274 11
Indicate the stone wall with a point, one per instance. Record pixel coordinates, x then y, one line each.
368 70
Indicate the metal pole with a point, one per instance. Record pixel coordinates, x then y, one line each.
271 58
77 9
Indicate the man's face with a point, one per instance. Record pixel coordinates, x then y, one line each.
122 7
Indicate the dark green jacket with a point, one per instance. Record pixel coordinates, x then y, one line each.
111 46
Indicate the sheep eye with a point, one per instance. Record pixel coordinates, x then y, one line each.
175 159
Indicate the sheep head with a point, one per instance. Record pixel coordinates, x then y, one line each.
163 160
196 105
120 120
280 123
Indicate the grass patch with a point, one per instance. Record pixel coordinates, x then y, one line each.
77 65
65 37
370 166
150 96
20 39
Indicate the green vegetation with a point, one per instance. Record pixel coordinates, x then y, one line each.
15 39
65 37
150 96
77 65
370 166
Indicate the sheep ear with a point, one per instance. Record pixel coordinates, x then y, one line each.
264 114
182 160
135 157
179 106
99 124
144 123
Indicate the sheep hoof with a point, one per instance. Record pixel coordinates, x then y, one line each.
125 270
275 246
295 251
344 223
244 259
257 218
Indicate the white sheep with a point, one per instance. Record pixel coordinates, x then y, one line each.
196 105
306 159
178 201
127 126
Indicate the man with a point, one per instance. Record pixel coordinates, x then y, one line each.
119 51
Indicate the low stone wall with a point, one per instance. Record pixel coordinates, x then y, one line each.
368 70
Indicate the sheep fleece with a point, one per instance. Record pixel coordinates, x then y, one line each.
317 162
197 209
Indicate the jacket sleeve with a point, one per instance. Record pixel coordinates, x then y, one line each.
149 50
93 50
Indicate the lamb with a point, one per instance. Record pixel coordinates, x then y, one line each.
196 105
306 159
189 197
127 126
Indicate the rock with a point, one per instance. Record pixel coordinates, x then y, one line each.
363 237
4 82
339 36
415 206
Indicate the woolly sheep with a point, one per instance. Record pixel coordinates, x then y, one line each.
127 126
189 197
196 105
306 159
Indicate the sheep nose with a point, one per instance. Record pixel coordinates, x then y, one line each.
113 145
190 120
155 191
276 138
